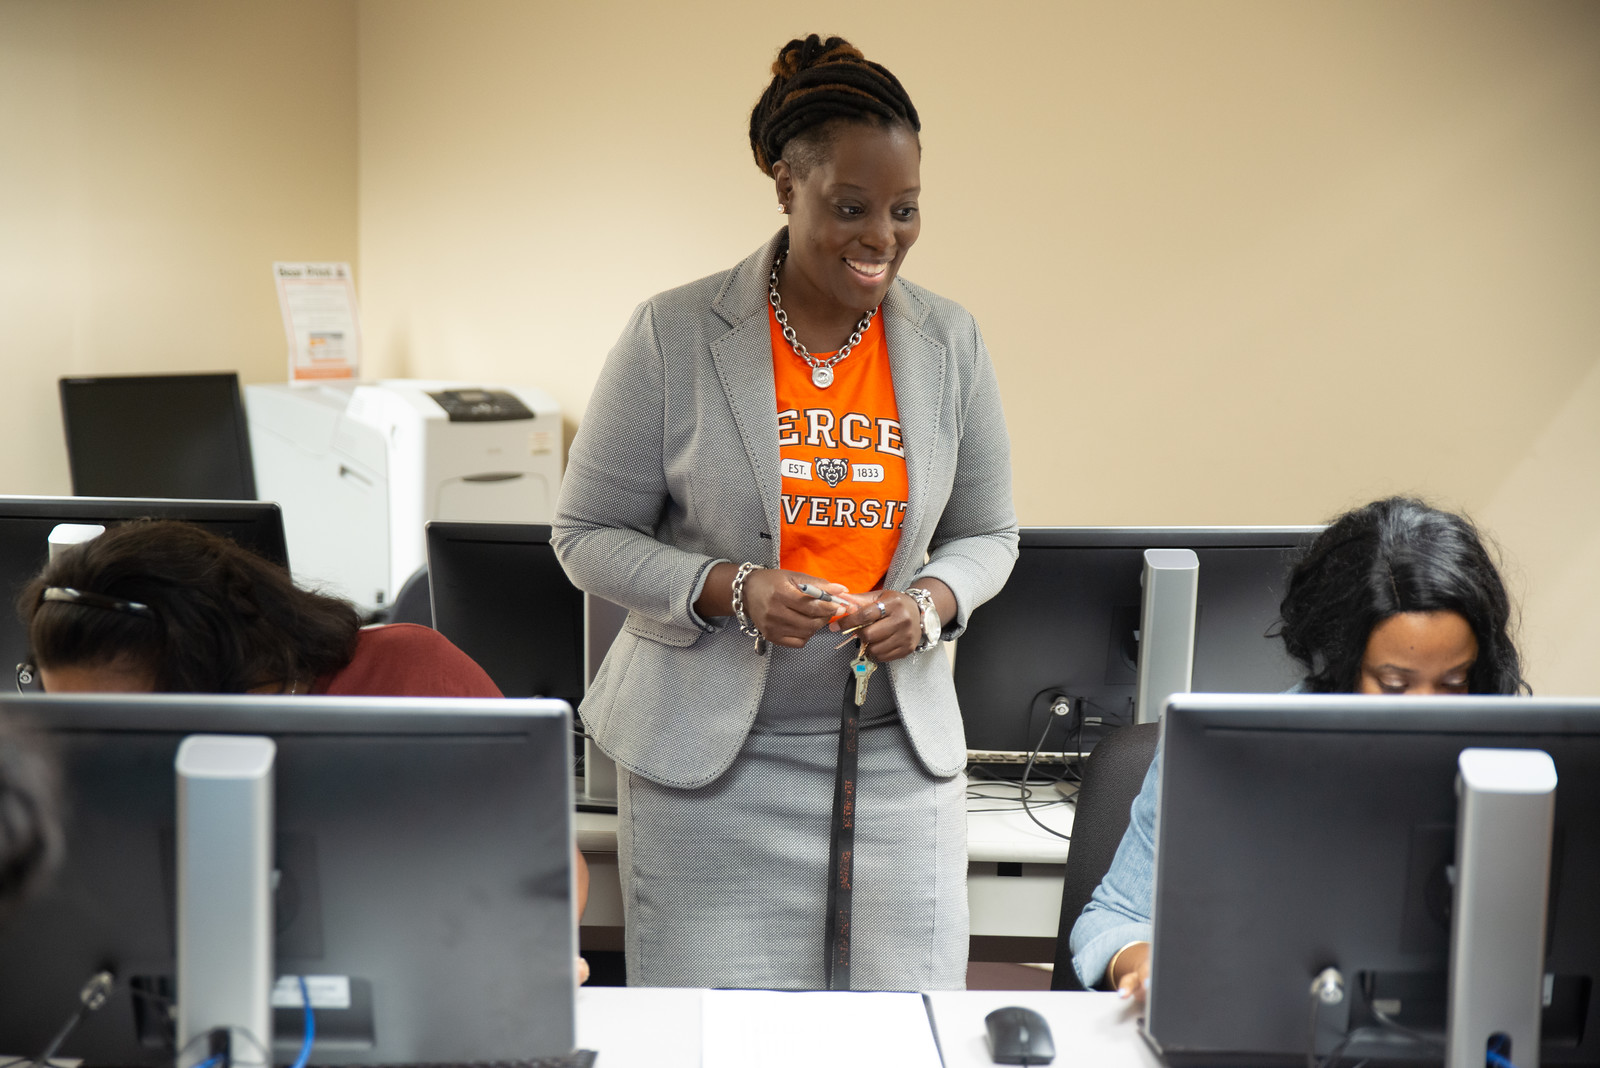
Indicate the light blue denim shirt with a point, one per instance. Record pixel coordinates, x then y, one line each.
1119 912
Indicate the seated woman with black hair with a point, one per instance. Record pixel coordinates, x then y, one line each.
1393 598
162 606
156 606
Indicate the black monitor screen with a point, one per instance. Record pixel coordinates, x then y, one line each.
1066 623
501 596
1301 832
423 851
157 436
26 523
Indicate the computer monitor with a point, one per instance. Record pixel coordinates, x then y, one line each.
1298 832
26 523
157 436
500 594
1065 627
424 857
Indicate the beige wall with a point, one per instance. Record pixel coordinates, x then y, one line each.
1238 262
155 158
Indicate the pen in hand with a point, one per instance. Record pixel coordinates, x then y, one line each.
820 594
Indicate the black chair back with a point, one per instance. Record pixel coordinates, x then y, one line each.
1112 776
414 602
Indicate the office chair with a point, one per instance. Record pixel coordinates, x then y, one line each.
414 602
1112 776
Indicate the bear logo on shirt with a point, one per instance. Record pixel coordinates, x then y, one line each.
832 469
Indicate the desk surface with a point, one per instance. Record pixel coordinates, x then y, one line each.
663 1028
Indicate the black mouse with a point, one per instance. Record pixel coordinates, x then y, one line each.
1019 1036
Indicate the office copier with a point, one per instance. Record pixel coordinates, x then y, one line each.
359 467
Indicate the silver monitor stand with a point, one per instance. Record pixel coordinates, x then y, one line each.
1166 629
1506 810
225 896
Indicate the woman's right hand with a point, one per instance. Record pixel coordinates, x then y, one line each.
782 612
773 602
1129 972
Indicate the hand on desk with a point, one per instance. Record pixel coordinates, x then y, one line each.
1129 972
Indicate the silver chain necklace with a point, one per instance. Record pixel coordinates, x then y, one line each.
821 370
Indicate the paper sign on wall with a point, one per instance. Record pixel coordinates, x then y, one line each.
320 319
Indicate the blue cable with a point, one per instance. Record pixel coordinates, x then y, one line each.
1496 1059
212 1063
311 1027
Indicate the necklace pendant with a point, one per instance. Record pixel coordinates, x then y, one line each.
822 377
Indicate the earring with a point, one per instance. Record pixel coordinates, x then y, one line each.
783 209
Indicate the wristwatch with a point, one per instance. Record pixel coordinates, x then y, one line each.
931 626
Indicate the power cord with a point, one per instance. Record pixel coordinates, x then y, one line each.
221 1038
1059 709
91 997
1391 1024
1008 794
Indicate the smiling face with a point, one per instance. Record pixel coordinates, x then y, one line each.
853 216
1419 653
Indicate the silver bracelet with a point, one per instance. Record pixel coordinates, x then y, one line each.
738 605
927 619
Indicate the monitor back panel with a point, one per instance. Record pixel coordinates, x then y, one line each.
26 522
500 594
1065 625
1302 831
157 436
423 849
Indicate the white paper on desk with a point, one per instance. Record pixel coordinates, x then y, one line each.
770 1029
318 301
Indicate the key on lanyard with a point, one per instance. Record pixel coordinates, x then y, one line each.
863 668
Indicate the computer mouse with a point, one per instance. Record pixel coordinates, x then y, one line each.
1019 1036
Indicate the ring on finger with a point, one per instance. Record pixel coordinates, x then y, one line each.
882 610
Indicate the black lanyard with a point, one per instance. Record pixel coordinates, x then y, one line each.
842 843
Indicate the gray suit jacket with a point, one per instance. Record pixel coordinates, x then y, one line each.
675 468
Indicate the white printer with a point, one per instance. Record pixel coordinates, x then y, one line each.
359 467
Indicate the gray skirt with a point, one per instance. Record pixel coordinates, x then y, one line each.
726 885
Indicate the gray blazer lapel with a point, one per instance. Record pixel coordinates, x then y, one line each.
743 357
918 364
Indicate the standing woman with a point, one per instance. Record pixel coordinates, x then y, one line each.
805 421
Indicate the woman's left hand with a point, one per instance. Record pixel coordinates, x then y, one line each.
890 623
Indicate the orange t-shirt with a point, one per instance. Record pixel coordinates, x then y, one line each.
844 466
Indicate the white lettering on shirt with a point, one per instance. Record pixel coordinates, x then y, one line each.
847 431
819 428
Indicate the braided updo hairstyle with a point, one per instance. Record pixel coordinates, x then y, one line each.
814 84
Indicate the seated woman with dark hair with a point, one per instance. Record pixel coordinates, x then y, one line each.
1393 598
168 607
172 608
